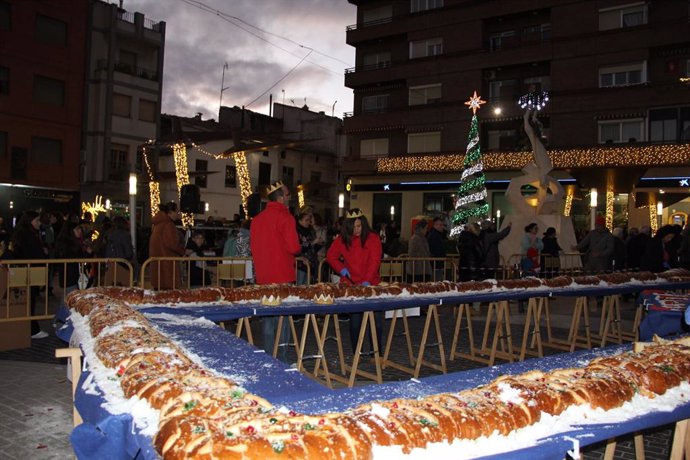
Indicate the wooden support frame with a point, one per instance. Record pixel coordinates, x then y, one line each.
243 323
502 335
580 316
74 355
418 361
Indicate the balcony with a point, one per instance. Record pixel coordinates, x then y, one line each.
139 72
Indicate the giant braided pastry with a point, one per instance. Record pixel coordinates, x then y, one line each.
204 416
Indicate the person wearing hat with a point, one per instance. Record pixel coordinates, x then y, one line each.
356 256
598 246
274 244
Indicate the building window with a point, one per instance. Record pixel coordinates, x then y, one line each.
264 173
119 155
501 139
3 144
49 91
315 179
631 15
424 142
438 202
4 80
376 60
127 62
426 48
230 176
542 83
623 75
621 131
500 40
147 110
50 31
427 94
506 89
375 104
122 105
5 16
45 150
202 179
373 148
537 33
140 161
423 5
380 15
288 176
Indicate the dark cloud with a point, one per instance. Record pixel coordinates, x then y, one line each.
198 44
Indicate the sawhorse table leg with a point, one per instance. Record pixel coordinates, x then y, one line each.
74 355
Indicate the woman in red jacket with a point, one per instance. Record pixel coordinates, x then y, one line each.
356 255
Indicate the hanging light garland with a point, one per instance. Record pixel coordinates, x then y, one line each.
243 175
652 217
300 196
570 193
609 206
154 187
182 177
649 155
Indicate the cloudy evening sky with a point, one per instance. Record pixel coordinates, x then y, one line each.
260 41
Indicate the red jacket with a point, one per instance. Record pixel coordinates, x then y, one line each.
274 243
362 262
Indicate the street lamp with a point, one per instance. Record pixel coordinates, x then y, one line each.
659 212
593 206
341 204
392 213
498 218
133 209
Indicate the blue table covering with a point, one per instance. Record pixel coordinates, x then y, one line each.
665 313
104 435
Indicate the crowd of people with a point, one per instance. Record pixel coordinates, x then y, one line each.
351 247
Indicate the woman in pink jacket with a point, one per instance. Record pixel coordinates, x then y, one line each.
356 256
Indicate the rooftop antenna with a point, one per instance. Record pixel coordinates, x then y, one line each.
222 88
333 108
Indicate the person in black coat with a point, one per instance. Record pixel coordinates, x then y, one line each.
27 245
195 247
636 247
550 261
657 257
69 244
436 237
491 258
471 258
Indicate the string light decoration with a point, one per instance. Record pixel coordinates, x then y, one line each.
94 208
155 195
648 155
154 187
243 174
471 196
609 206
534 100
569 195
182 177
300 196
652 217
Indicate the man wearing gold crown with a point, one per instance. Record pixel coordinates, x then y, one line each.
274 243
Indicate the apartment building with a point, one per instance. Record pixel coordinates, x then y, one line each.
42 66
616 72
302 148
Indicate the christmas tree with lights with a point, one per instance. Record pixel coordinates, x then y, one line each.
470 204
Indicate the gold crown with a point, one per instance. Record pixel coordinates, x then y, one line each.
354 214
273 187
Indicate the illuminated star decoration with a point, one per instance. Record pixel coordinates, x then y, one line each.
94 208
474 103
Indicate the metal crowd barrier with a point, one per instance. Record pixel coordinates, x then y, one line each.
223 271
404 269
22 281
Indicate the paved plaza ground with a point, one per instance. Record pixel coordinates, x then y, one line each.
35 401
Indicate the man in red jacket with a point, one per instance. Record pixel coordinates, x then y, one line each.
274 243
